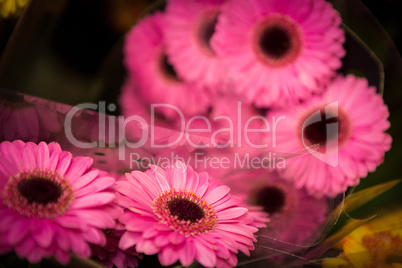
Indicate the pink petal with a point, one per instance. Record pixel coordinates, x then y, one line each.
233 201
54 147
150 233
98 185
63 240
28 158
54 154
85 179
161 178
138 224
237 230
146 246
216 194
147 183
94 200
168 256
70 222
12 158
94 236
247 240
7 218
18 231
62 256
78 245
223 251
36 255
79 165
23 248
192 181
176 238
203 183
64 163
44 235
187 254
161 240
129 239
133 192
204 255
231 213
42 157
179 175
96 218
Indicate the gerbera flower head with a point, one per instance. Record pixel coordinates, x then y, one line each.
52 203
177 214
346 124
279 51
189 28
156 79
295 216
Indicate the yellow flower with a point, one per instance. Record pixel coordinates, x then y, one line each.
375 244
12 7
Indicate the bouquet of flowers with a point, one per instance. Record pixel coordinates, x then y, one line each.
244 129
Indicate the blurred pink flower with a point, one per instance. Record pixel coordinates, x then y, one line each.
347 123
28 118
189 27
178 214
279 51
52 203
294 215
149 68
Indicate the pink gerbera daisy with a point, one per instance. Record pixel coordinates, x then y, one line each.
52 203
179 215
279 51
345 125
150 69
189 29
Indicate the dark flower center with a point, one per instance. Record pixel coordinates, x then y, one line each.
278 40
40 190
207 30
271 198
168 69
185 209
320 132
275 41
109 231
